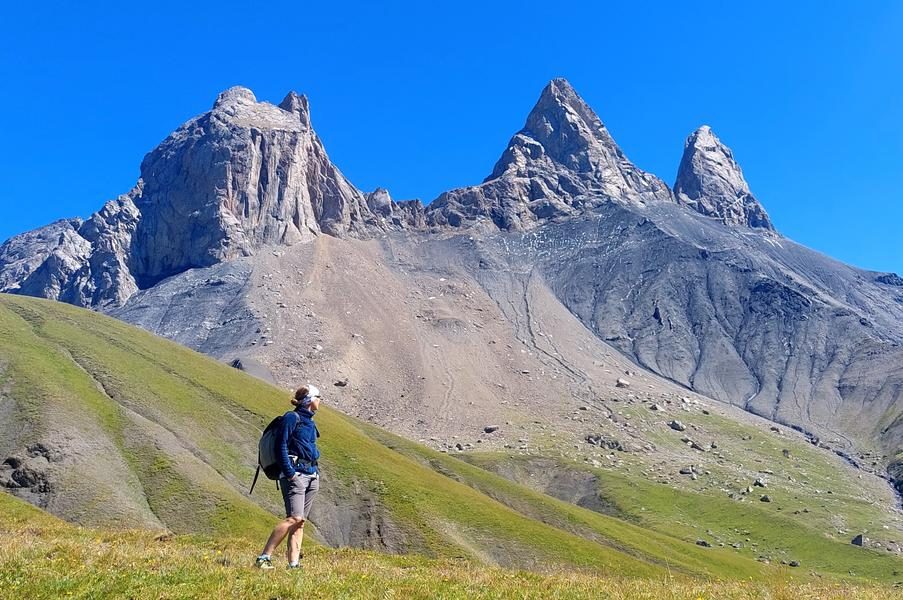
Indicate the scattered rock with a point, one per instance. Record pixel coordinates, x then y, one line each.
622 383
677 425
13 461
490 428
341 383
597 439
794 563
703 543
765 498
859 540
697 446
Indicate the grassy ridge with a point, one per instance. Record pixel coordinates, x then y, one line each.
42 557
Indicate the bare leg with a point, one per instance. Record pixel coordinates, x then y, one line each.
293 546
282 529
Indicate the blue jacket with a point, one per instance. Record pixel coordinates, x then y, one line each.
298 437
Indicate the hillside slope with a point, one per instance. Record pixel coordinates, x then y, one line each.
694 284
110 426
435 350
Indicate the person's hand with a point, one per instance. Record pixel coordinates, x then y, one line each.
295 476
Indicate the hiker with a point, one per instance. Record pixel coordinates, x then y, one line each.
299 480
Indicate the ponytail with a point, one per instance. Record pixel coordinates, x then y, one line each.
300 394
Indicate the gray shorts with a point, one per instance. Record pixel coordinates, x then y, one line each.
298 494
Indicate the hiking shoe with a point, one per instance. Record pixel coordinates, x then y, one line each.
294 566
264 562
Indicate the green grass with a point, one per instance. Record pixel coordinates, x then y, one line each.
42 557
760 528
186 428
165 437
646 505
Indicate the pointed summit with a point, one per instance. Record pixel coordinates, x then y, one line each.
567 130
563 162
711 182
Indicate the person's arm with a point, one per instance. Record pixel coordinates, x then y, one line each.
289 422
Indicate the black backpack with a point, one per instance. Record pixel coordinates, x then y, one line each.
268 452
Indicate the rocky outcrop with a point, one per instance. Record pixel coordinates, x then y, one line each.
243 175
407 214
711 182
80 262
21 255
563 162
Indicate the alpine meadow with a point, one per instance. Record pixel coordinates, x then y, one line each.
568 379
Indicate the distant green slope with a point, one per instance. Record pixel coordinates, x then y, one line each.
133 431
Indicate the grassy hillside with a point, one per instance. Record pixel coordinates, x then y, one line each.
115 427
42 557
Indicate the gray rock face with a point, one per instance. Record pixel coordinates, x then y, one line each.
562 163
21 255
242 175
80 262
201 308
711 182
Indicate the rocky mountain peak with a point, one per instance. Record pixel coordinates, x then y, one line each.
244 175
711 182
566 129
563 162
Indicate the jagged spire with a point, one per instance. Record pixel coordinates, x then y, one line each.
567 130
298 105
563 162
711 182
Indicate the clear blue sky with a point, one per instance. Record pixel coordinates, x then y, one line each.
421 97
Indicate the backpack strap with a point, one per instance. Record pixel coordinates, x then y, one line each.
253 483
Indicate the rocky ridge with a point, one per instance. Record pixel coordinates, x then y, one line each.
693 285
